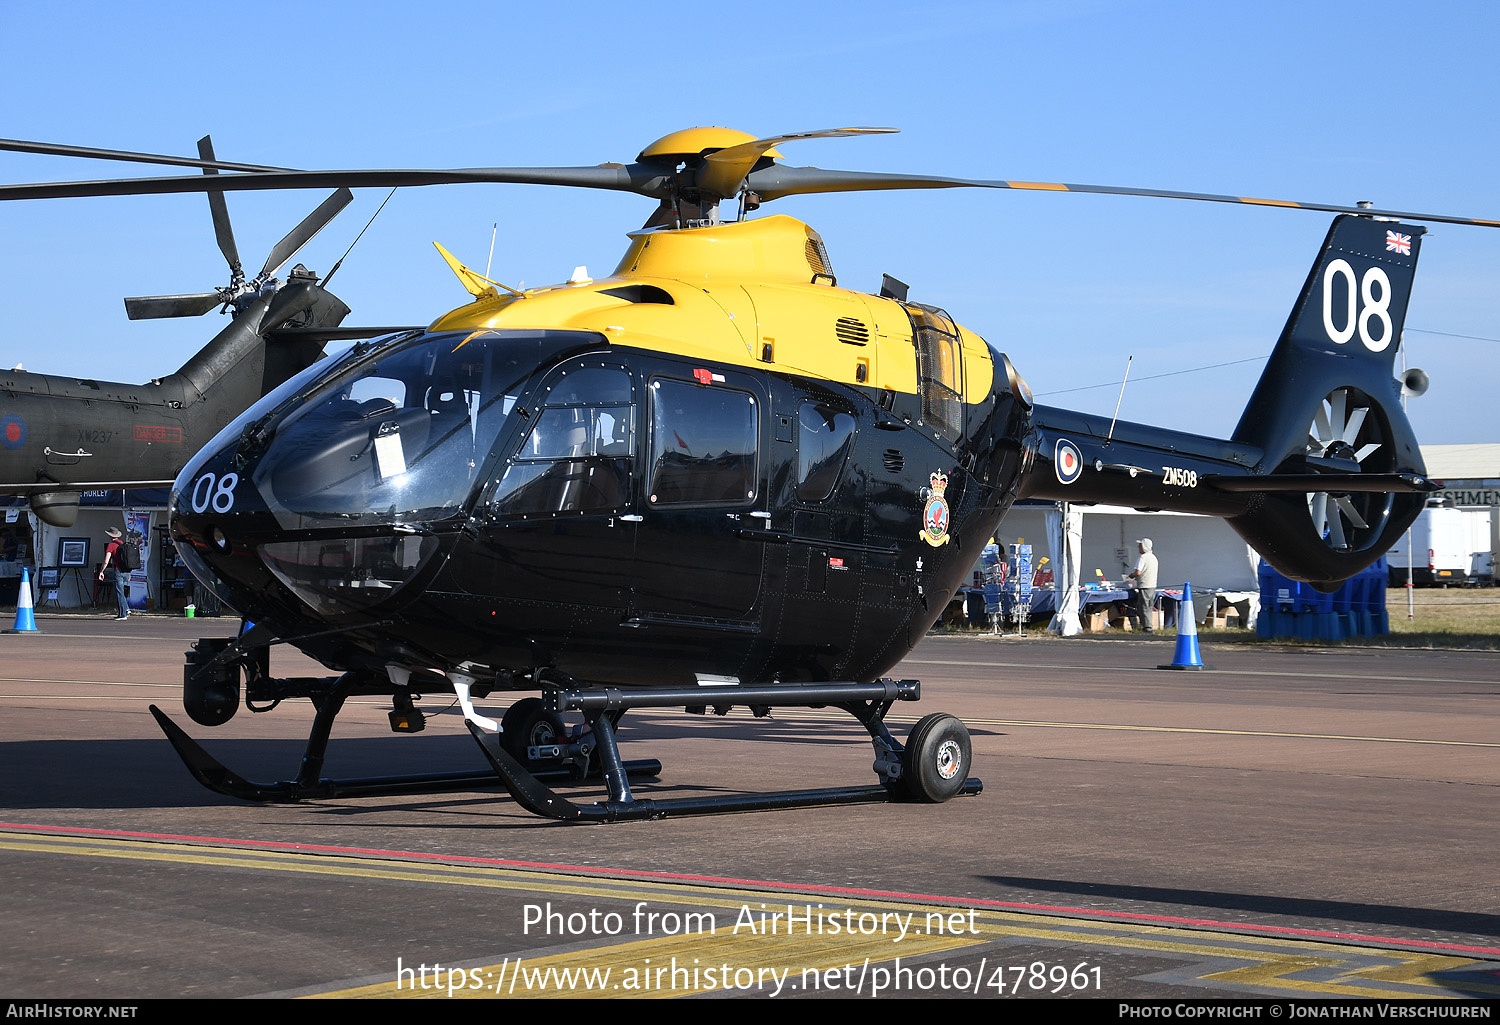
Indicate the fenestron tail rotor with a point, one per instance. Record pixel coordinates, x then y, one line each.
196 304
1343 433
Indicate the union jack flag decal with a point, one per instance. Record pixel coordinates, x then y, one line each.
1395 243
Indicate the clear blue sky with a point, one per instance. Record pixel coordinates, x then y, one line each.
1332 102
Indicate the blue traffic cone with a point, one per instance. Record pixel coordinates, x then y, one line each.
1187 656
25 616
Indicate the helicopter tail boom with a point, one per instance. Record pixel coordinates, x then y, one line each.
1323 472
1329 404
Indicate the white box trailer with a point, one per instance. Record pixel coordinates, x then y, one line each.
1449 547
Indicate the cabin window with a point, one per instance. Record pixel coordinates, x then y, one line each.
576 459
703 445
825 434
398 435
385 389
939 370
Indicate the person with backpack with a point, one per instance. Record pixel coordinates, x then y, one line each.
120 557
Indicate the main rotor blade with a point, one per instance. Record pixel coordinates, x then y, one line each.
778 181
642 179
725 169
304 232
216 207
151 307
652 180
60 150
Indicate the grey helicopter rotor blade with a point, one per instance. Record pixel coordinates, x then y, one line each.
643 179
304 232
781 180
725 169
197 304
155 307
152 307
655 180
90 152
220 213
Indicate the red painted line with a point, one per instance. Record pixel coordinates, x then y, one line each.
761 884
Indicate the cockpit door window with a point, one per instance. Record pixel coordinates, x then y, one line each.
825 433
703 445
576 458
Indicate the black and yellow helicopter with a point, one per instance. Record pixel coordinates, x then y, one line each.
60 436
716 478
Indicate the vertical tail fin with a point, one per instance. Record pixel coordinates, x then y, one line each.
1329 403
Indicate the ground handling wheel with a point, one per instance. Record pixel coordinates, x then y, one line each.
936 760
528 723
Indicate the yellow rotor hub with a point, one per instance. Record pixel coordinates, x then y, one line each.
696 141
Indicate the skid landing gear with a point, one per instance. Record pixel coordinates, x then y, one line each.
933 767
531 748
328 698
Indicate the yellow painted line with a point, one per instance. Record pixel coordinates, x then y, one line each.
1417 972
687 965
1269 202
1299 674
690 962
348 866
1040 186
788 715
483 876
1137 728
1420 970
1228 733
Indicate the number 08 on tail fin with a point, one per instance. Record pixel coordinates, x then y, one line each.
1323 472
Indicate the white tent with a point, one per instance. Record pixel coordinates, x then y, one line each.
1065 542
1202 549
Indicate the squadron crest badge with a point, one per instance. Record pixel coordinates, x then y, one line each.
935 513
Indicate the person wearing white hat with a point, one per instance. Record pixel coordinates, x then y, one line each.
1143 599
111 564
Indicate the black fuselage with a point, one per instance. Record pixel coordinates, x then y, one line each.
699 523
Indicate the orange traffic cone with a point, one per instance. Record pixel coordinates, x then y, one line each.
25 616
1187 656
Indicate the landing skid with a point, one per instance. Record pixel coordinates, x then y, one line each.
309 784
934 768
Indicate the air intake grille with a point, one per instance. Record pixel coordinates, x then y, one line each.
817 257
894 460
851 331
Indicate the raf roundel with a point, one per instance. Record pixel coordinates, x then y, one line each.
1068 462
12 432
